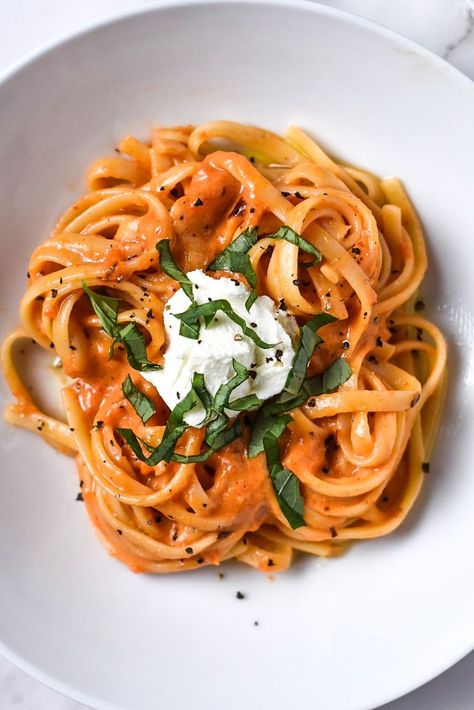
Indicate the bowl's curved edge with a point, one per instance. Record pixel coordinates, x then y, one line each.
404 43
310 5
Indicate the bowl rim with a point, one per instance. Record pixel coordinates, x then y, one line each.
311 5
391 36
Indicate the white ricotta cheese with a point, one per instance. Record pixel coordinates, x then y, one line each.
221 342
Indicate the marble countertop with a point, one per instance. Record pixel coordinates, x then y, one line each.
444 26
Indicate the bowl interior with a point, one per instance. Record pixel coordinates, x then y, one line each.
390 614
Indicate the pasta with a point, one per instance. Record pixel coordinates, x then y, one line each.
344 458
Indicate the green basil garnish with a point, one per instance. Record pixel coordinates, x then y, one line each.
221 398
129 335
171 269
266 422
218 434
199 386
329 380
309 340
143 406
195 312
285 484
174 430
105 308
245 404
235 258
289 235
298 388
132 338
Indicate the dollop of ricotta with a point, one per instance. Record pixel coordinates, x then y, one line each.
221 342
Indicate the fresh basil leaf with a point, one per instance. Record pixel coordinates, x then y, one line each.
190 330
335 375
214 428
193 458
220 434
235 258
199 386
172 270
143 406
105 308
132 338
174 430
241 245
266 422
226 436
195 312
134 443
221 398
285 484
308 341
220 401
245 404
329 380
289 235
297 389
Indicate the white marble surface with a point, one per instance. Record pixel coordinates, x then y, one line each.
444 26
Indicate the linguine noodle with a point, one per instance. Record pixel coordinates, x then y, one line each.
359 452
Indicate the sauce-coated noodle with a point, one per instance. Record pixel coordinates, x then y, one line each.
359 452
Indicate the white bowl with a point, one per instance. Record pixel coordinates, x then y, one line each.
348 635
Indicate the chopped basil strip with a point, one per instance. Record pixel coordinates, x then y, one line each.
309 340
328 381
143 406
297 388
289 235
199 386
171 269
244 404
266 422
195 312
285 483
174 430
224 436
106 309
235 258
131 336
218 434
221 398
190 330
215 428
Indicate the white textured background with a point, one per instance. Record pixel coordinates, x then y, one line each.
444 26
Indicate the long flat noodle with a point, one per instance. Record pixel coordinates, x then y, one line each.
340 455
